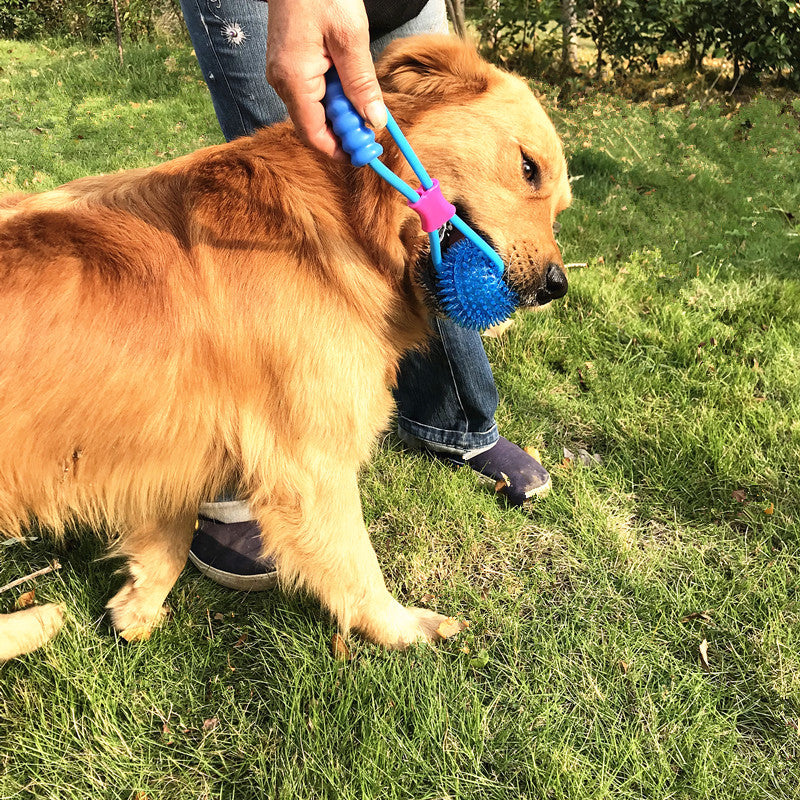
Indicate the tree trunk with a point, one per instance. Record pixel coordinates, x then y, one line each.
569 37
693 50
455 8
118 27
599 43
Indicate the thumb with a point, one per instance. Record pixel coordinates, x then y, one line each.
357 74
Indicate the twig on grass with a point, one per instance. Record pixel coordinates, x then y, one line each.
707 96
632 147
56 565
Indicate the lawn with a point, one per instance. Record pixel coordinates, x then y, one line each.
635 635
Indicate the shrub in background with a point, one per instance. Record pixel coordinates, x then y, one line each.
85 19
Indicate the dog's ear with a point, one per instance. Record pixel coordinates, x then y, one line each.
433 66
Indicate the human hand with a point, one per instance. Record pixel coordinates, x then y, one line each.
304 39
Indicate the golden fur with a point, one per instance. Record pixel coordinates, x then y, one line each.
238 314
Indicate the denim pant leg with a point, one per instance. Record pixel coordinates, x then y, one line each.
230 42
446 398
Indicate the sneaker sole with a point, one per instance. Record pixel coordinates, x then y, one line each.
539 493
241 583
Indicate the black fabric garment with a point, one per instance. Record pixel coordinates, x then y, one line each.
385 15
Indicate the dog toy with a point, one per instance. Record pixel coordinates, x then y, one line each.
469 273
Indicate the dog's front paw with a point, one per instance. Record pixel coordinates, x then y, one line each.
436 627
134 615
400 627
23 631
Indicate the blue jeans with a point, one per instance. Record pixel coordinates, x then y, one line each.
446 399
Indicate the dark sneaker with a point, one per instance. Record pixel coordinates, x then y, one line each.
522 477
230 554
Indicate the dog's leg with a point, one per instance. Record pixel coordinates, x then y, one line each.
326 549
24 631
156 553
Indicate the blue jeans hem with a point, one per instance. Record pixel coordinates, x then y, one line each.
454 443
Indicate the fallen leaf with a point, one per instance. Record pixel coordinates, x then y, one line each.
339 648
691 177
585 457
739 495
499 486
219 617
241 640
210 724
450 627
480 660
26 600
426 598
623 665
704 655
534 454
770 509
16 540
703 615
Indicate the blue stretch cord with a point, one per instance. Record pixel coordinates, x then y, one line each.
407 151
397 183
408 192
479 242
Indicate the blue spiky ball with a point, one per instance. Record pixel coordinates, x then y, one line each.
470 291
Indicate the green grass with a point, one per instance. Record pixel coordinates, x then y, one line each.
675 356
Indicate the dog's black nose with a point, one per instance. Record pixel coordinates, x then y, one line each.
556 281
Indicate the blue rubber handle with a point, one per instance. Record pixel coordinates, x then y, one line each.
358 141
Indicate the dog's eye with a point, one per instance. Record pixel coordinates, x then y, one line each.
530 171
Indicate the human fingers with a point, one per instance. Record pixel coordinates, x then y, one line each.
348 48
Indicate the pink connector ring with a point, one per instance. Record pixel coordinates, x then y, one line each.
432 208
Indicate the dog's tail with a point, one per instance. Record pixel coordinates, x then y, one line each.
24 631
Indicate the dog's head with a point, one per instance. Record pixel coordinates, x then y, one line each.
483 134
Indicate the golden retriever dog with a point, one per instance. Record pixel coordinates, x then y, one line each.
237 315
